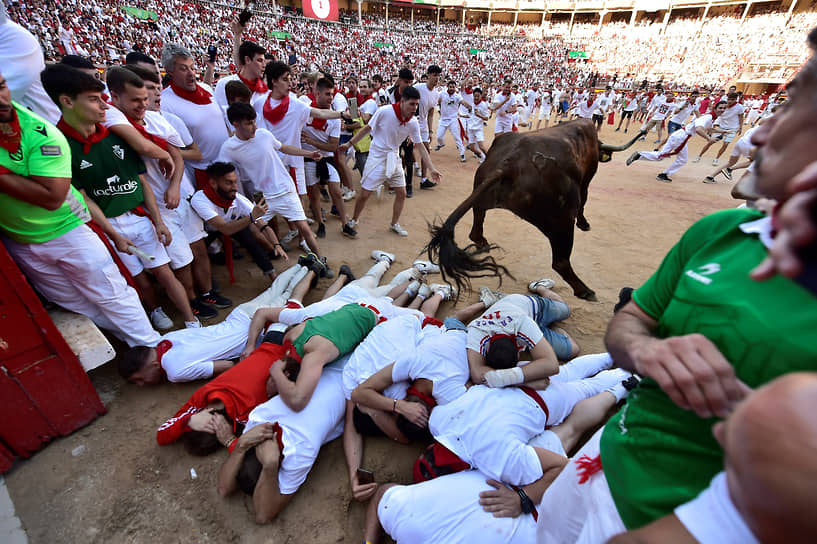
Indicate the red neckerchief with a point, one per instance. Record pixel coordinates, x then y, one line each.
506 94
451 93
216 198
227 242
317 124
274 115
105 97
100 133
477 101
163 347
161 142
422 396
589 102
257 86
12 137
468 90
358 96
199 96
396 108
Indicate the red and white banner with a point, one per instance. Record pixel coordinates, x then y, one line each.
326 10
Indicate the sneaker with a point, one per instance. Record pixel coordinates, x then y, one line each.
305 246
424 291
444 290
344 270
214 299
715 161
482 159
619 128
413 288
727 172
657 141
632 158
378 255
288 237
321 233
334 212
462 158
709 179
631 382
192 324
426 267
427 184
696 159
663 177
477 155
489 297
309 220
547 283
409 191
642 138
324 195
655 149
202 310
327 272
160 320
348 230
350 194
396 228
438 147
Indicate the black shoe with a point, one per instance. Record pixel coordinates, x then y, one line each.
304 260
630 383
655 149
321 231
349 231
346 271
409 191
214 299
202 310
334 212
709 179
427 184
324 195
728 173
663 177
327 272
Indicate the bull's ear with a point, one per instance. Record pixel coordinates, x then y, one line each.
541 161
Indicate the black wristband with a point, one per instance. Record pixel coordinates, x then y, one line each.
527 504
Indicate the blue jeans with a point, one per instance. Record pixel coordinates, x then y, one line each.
547 311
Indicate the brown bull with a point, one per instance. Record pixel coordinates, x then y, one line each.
542 177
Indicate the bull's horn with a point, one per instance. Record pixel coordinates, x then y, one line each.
611 148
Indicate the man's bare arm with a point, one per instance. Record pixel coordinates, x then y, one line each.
260 318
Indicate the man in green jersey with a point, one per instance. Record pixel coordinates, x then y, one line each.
701 332
110 175
43 226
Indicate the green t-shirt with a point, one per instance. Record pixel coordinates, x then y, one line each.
656 455
345 327
109 173
43 152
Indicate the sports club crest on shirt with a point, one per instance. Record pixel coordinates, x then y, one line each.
119 152
17 156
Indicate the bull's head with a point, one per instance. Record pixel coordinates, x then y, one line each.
606 151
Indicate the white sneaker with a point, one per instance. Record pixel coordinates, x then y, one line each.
715 161
426 267
696 159
349 195
288 237
160 320
547 283
424 292
413 288
482 159
445 290
192 324
378 255
489 297
462 158
352 223
305 246
398 229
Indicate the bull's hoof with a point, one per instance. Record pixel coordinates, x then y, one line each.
588 295
480 242
582 224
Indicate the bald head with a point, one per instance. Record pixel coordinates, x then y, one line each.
771 458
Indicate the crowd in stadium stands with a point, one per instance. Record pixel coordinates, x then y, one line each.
724 47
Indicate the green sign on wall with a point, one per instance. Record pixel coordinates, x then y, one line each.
141 13
577 55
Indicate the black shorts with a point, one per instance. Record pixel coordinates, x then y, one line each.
627 114
365 425
598 119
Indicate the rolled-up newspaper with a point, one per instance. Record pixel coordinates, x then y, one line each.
139 253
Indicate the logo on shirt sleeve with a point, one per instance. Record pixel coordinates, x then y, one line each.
51 151
703 271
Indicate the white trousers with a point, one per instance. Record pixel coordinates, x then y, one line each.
677 139
452 126
76 271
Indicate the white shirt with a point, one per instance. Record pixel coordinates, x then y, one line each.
368 107
330 130
475 122
449 105
531 99
682 112
730 119
428 101
287 130
503 113
510 316
204 121
187 185
605 103
388 132
258 161
207 210
303 433
584 111
704 121
712 517
662 109
220 94
546 97
439 357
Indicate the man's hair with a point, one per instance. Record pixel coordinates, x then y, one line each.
118 77
378 78
133 360
249 472
309 77
137 56
732 96
502 353
476 90
450 82
434 69
275 70
219 168
405 73
201 443
240 111
77 61
59 79
249 49
507 80
410 92
171 52
236 89
412 431
144 73
351 78
324 83
291 368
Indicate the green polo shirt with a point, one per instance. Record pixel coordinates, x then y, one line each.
656 455
45 153
109 174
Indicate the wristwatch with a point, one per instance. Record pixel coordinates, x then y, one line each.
527 504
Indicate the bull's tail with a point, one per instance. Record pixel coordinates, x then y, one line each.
461 264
